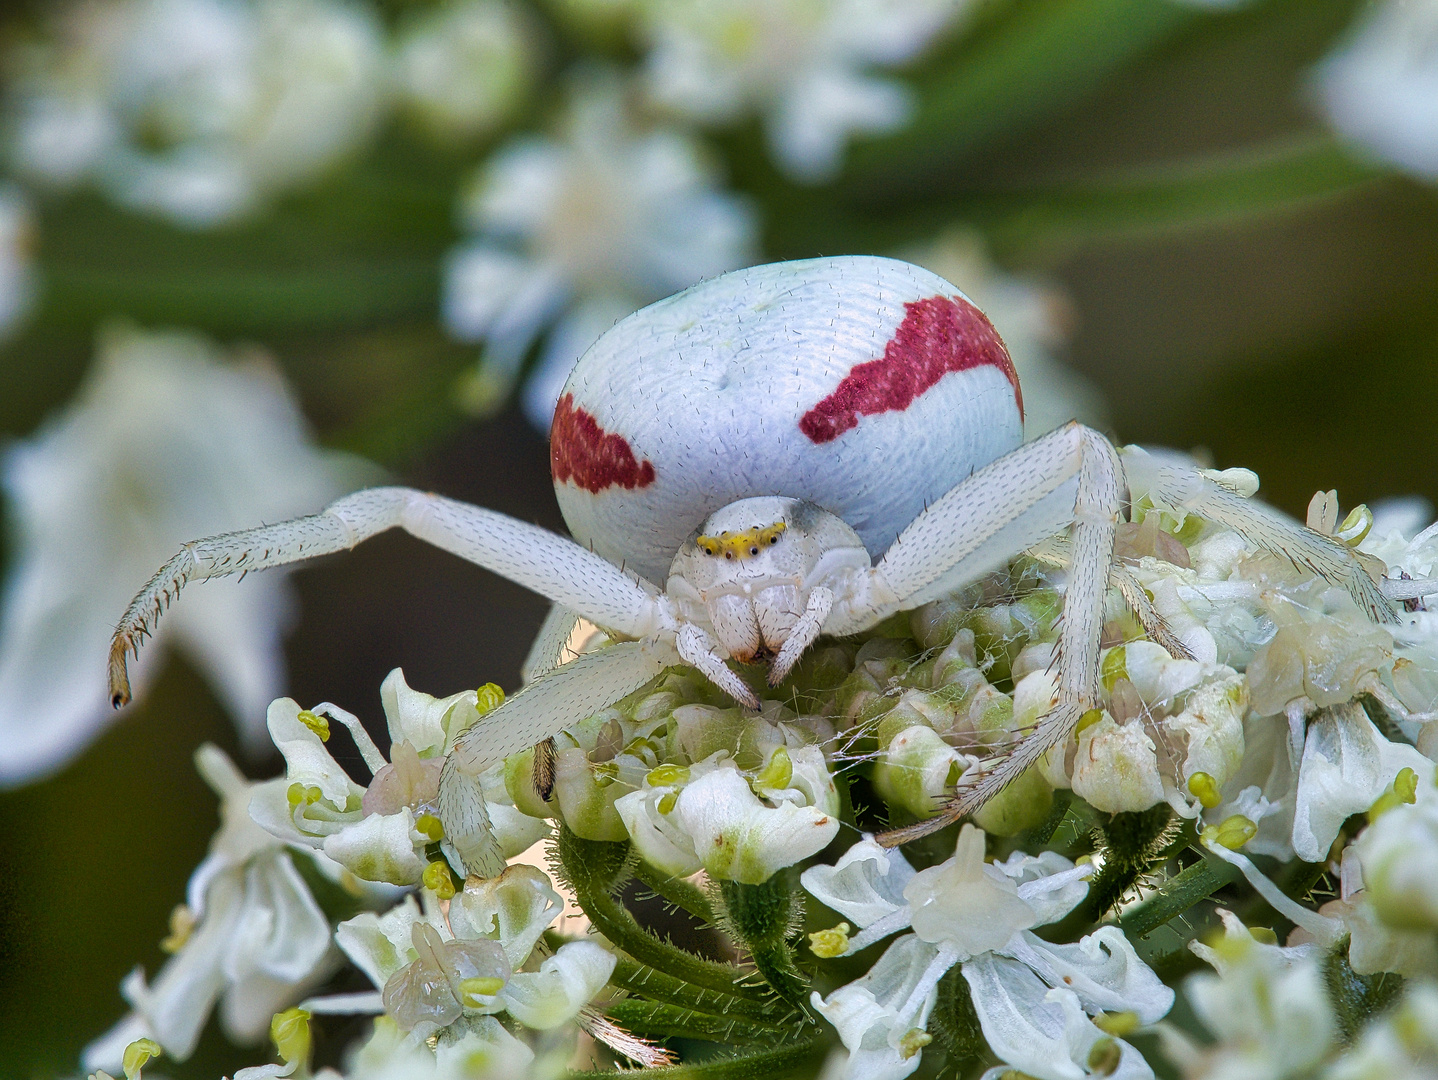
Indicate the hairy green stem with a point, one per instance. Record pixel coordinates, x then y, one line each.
595 869
1131 840
660 1020
1356 998
1177 895
761 1065
642 979
762 918
677 891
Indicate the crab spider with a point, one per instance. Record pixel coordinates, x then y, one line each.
793 450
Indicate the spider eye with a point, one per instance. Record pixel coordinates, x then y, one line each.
728 554
753 551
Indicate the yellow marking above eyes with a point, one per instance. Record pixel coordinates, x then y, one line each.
742 545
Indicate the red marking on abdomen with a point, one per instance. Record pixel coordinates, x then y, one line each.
582 451
938 335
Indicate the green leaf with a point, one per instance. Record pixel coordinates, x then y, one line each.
1036 63
1280 177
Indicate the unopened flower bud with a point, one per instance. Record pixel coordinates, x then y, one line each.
488 698
137 1054
290 1031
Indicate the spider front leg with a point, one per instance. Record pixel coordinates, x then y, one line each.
1070 477
551 565
554 701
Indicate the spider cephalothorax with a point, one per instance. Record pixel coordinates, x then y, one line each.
695 444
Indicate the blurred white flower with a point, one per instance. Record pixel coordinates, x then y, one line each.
462 67
1033 998
1399 856
579 230
1380 87
805 65
250 935
164 443
1035 319
476 1048
1266 1005
1346 765
198 110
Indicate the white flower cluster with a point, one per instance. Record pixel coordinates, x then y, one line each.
1264 738
694 785
252 936
805 66
198 110
1270 1009
1034 1000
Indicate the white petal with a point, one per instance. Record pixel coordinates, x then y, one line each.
866 884
659 838
281 932
380 847
514 909
427 723
737 837
965 903
379 944
307 761
562 986
1347 764
874 1012
1101 968
1041 1032
483 1049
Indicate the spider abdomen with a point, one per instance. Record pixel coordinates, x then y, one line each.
867 386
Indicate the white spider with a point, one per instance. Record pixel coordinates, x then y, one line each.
795 421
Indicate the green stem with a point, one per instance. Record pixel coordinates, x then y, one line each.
596 869
1177 895
1356 998
762 1065
1129 854
641 979
660 1020
677 891
761 918
613 920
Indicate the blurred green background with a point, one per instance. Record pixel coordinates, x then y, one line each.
1241 283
